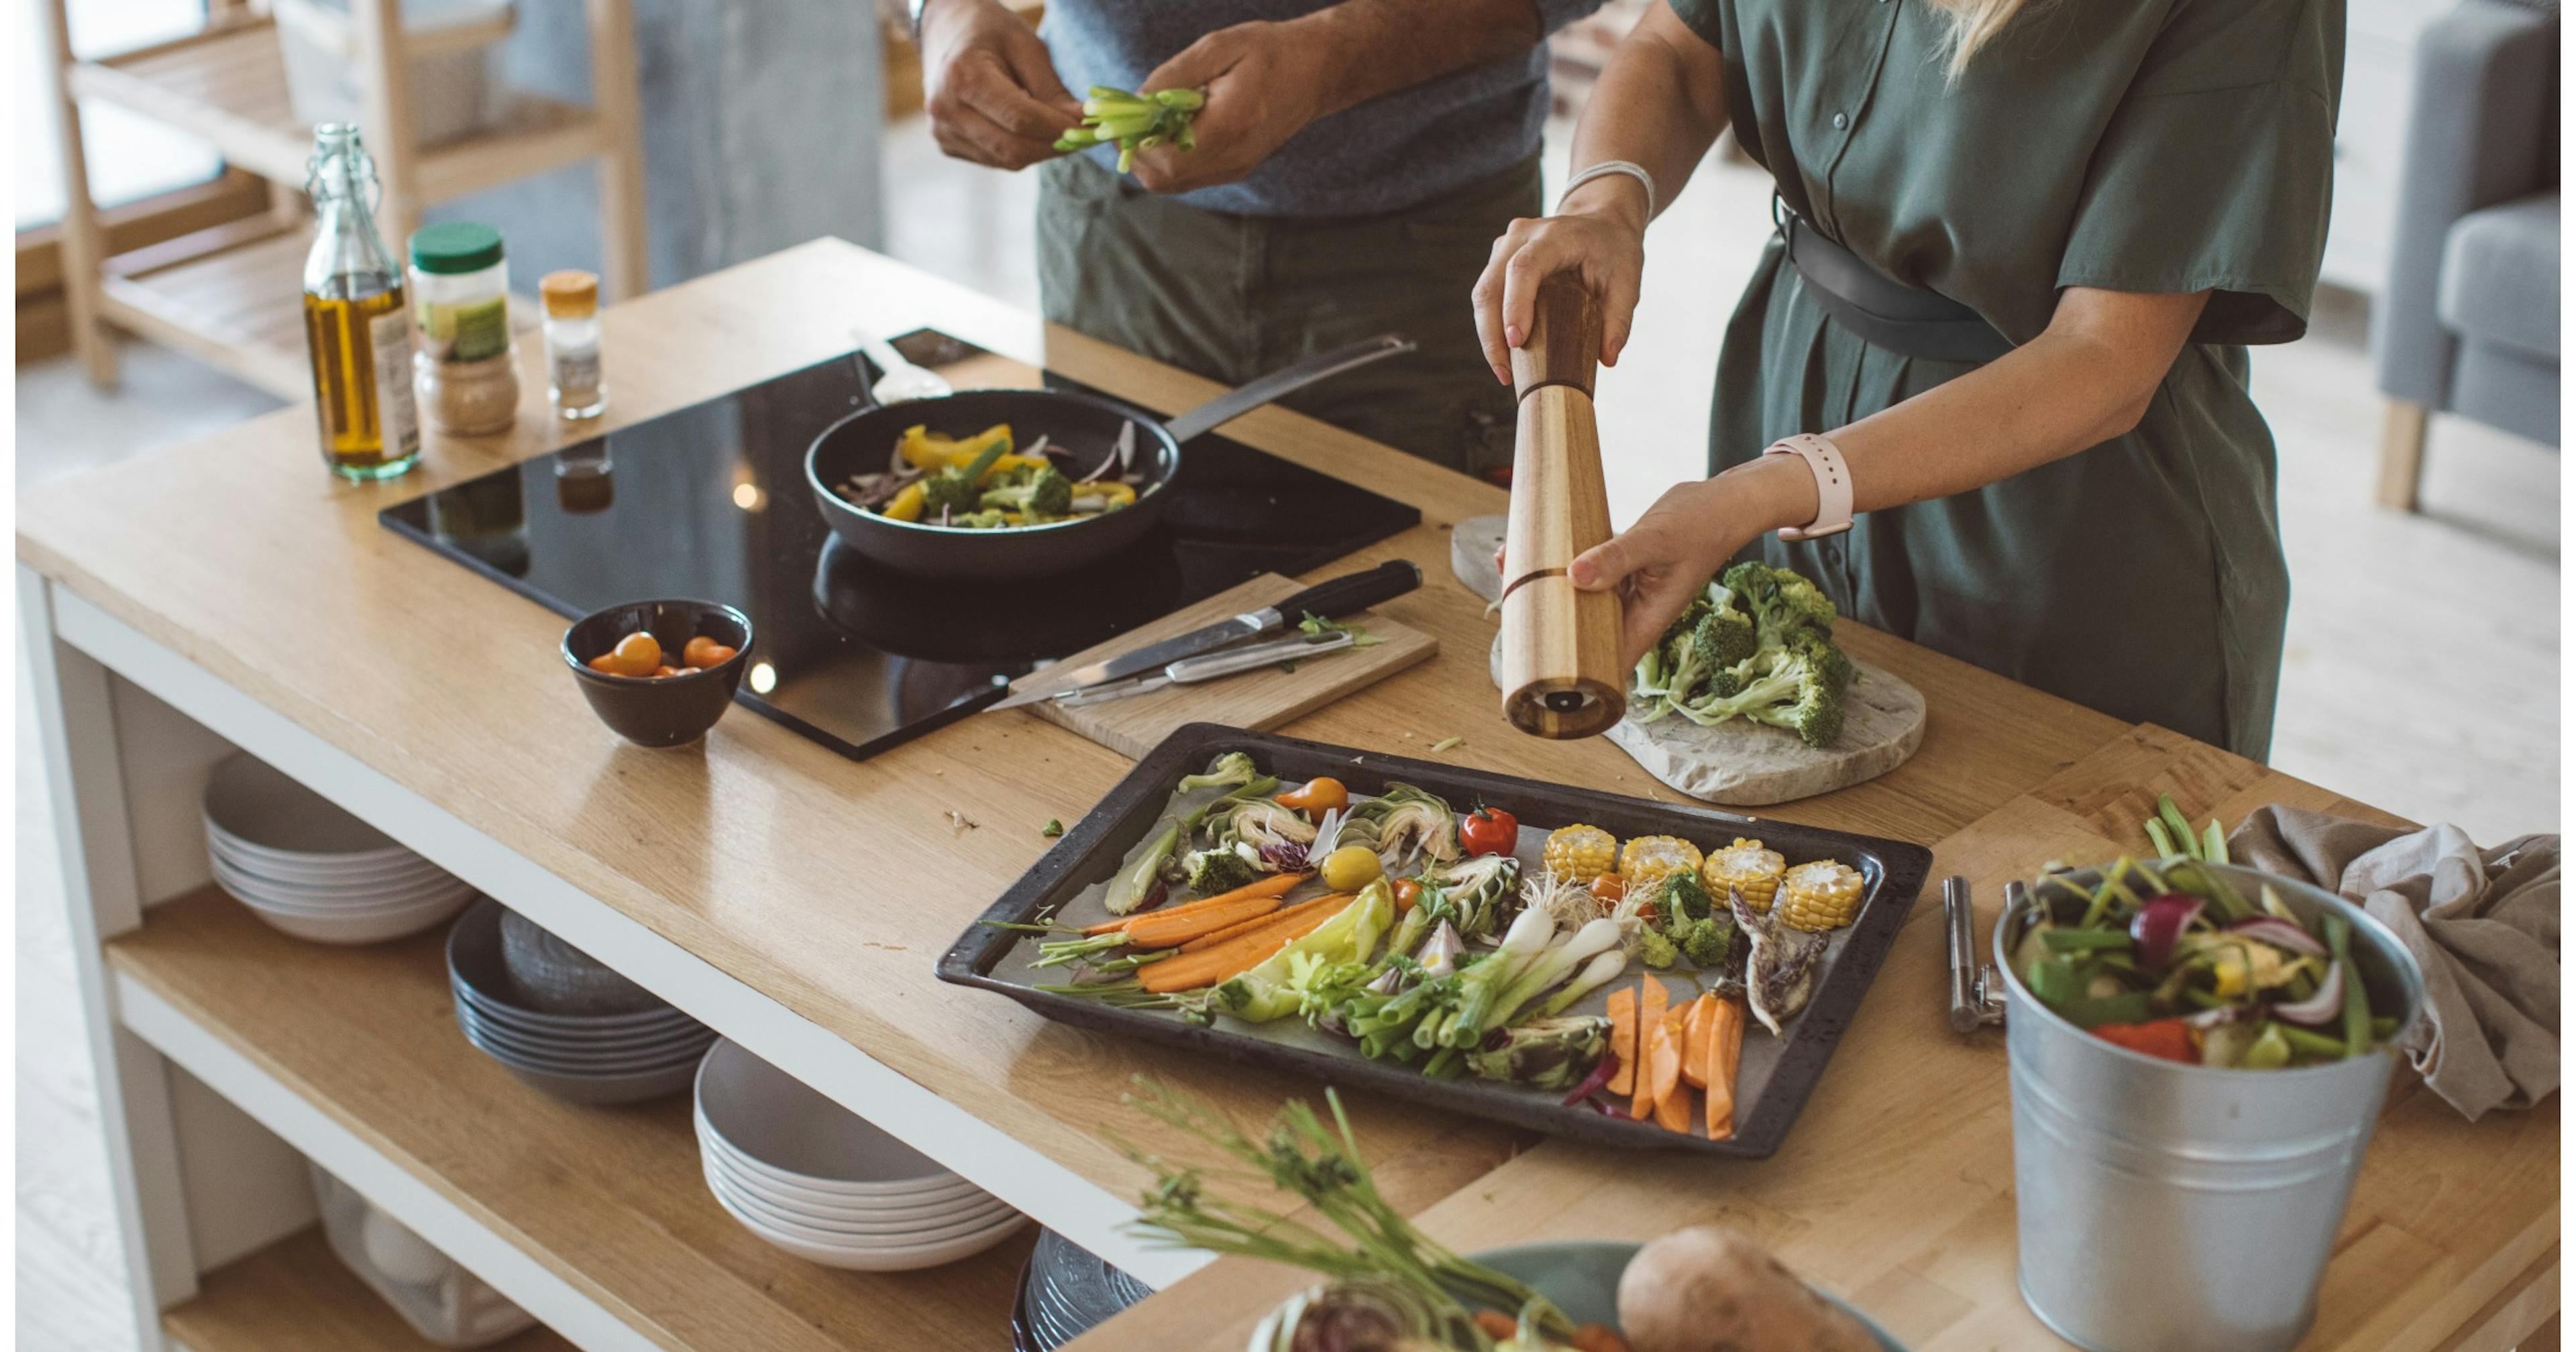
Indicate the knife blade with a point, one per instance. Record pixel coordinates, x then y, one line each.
1208 667
1331 599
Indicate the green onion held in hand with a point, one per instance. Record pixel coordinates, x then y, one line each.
1135 121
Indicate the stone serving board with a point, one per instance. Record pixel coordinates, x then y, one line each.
1737 763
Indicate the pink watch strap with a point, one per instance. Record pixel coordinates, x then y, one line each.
1833 485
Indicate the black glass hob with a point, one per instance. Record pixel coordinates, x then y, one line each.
711 503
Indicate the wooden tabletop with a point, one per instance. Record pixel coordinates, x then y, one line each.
831 885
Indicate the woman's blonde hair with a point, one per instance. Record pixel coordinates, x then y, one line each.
1973 24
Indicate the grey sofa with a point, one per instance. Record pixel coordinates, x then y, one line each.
2468 321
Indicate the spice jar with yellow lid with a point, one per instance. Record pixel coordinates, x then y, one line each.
571 299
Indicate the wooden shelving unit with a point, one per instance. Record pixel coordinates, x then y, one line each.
294 1296
609 1199
227 84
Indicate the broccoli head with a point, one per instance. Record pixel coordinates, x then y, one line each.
1681 893
1722 637
947 495
983 518
1232 770
1782 602
1221 869
1707 941
1041 491
1801 689
1657 951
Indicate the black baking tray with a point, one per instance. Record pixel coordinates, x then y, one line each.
1893 871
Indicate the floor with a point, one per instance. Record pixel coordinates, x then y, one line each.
2359 710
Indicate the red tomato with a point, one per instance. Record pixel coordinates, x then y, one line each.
2169 1039
1489 830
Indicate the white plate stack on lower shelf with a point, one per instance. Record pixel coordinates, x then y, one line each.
433 1293
308 868
816 1180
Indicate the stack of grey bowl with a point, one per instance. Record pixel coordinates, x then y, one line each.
561 1020
1064 1291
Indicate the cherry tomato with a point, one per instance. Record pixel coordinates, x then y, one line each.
700 652
666 669
1316 797
716 654
606 662
637 654
1610 887
1489 830
1407 893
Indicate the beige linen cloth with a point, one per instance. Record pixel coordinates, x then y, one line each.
2483 924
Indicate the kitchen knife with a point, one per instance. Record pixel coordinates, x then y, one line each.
1330 599
1208 667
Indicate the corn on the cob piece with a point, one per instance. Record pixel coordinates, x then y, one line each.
1580 852
1746 867
1644 860
1819 896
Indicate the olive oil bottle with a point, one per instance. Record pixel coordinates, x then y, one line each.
356 326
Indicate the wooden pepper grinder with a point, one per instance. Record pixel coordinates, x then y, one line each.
1561 676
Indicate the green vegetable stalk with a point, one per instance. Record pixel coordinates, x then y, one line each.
1269 991
2356 1000
1138 880
1135 121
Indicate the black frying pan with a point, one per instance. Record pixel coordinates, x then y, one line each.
1086 424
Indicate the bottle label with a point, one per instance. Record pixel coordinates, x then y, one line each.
396 416
576 375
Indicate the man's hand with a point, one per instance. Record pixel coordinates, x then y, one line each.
1263 86
993 95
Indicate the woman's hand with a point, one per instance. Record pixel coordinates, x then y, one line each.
1688 537
1600 236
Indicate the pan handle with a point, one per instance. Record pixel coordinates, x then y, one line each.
1234 403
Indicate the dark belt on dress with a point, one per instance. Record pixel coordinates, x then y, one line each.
1879 309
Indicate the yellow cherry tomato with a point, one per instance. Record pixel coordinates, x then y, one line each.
1316 797
1350 868
637 654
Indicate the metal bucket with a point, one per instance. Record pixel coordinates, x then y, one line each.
2173 1208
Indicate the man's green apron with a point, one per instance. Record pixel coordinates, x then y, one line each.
2130 145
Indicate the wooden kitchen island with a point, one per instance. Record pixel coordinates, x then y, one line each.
231 594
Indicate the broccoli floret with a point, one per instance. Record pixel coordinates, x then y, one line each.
949 494
1042 491
1657 951
1211 871
1781 601
1722 637
987 518
1708 941
1681 893
1232 770
1801 690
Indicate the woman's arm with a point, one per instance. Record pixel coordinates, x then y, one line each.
1660 104
2088 378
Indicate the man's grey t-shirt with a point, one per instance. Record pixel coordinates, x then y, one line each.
1386 154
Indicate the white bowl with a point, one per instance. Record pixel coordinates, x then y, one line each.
804 1189
876 1236
832 1213
322 870
363 929
875 1260
305 894
258 805
770 1118
259 899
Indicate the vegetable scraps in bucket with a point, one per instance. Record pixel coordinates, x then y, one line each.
1135 121
2171 961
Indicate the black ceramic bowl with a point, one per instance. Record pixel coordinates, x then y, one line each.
659 710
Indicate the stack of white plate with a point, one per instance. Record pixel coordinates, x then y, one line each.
312 870
624 1057
815 1179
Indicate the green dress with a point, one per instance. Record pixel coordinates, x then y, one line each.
2131 145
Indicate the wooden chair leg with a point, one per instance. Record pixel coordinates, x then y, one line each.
617 103
2401 454
84 242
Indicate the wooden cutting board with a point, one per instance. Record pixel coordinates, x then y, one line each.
1739 763
1260 700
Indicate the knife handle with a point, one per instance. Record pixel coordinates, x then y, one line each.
1350 594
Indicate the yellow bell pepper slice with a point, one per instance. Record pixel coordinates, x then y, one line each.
1117 494
906 503
933 451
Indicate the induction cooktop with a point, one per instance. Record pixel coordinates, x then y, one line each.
711 503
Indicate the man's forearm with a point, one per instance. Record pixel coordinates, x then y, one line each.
1381 46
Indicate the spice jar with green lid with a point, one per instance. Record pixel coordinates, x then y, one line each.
467 379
